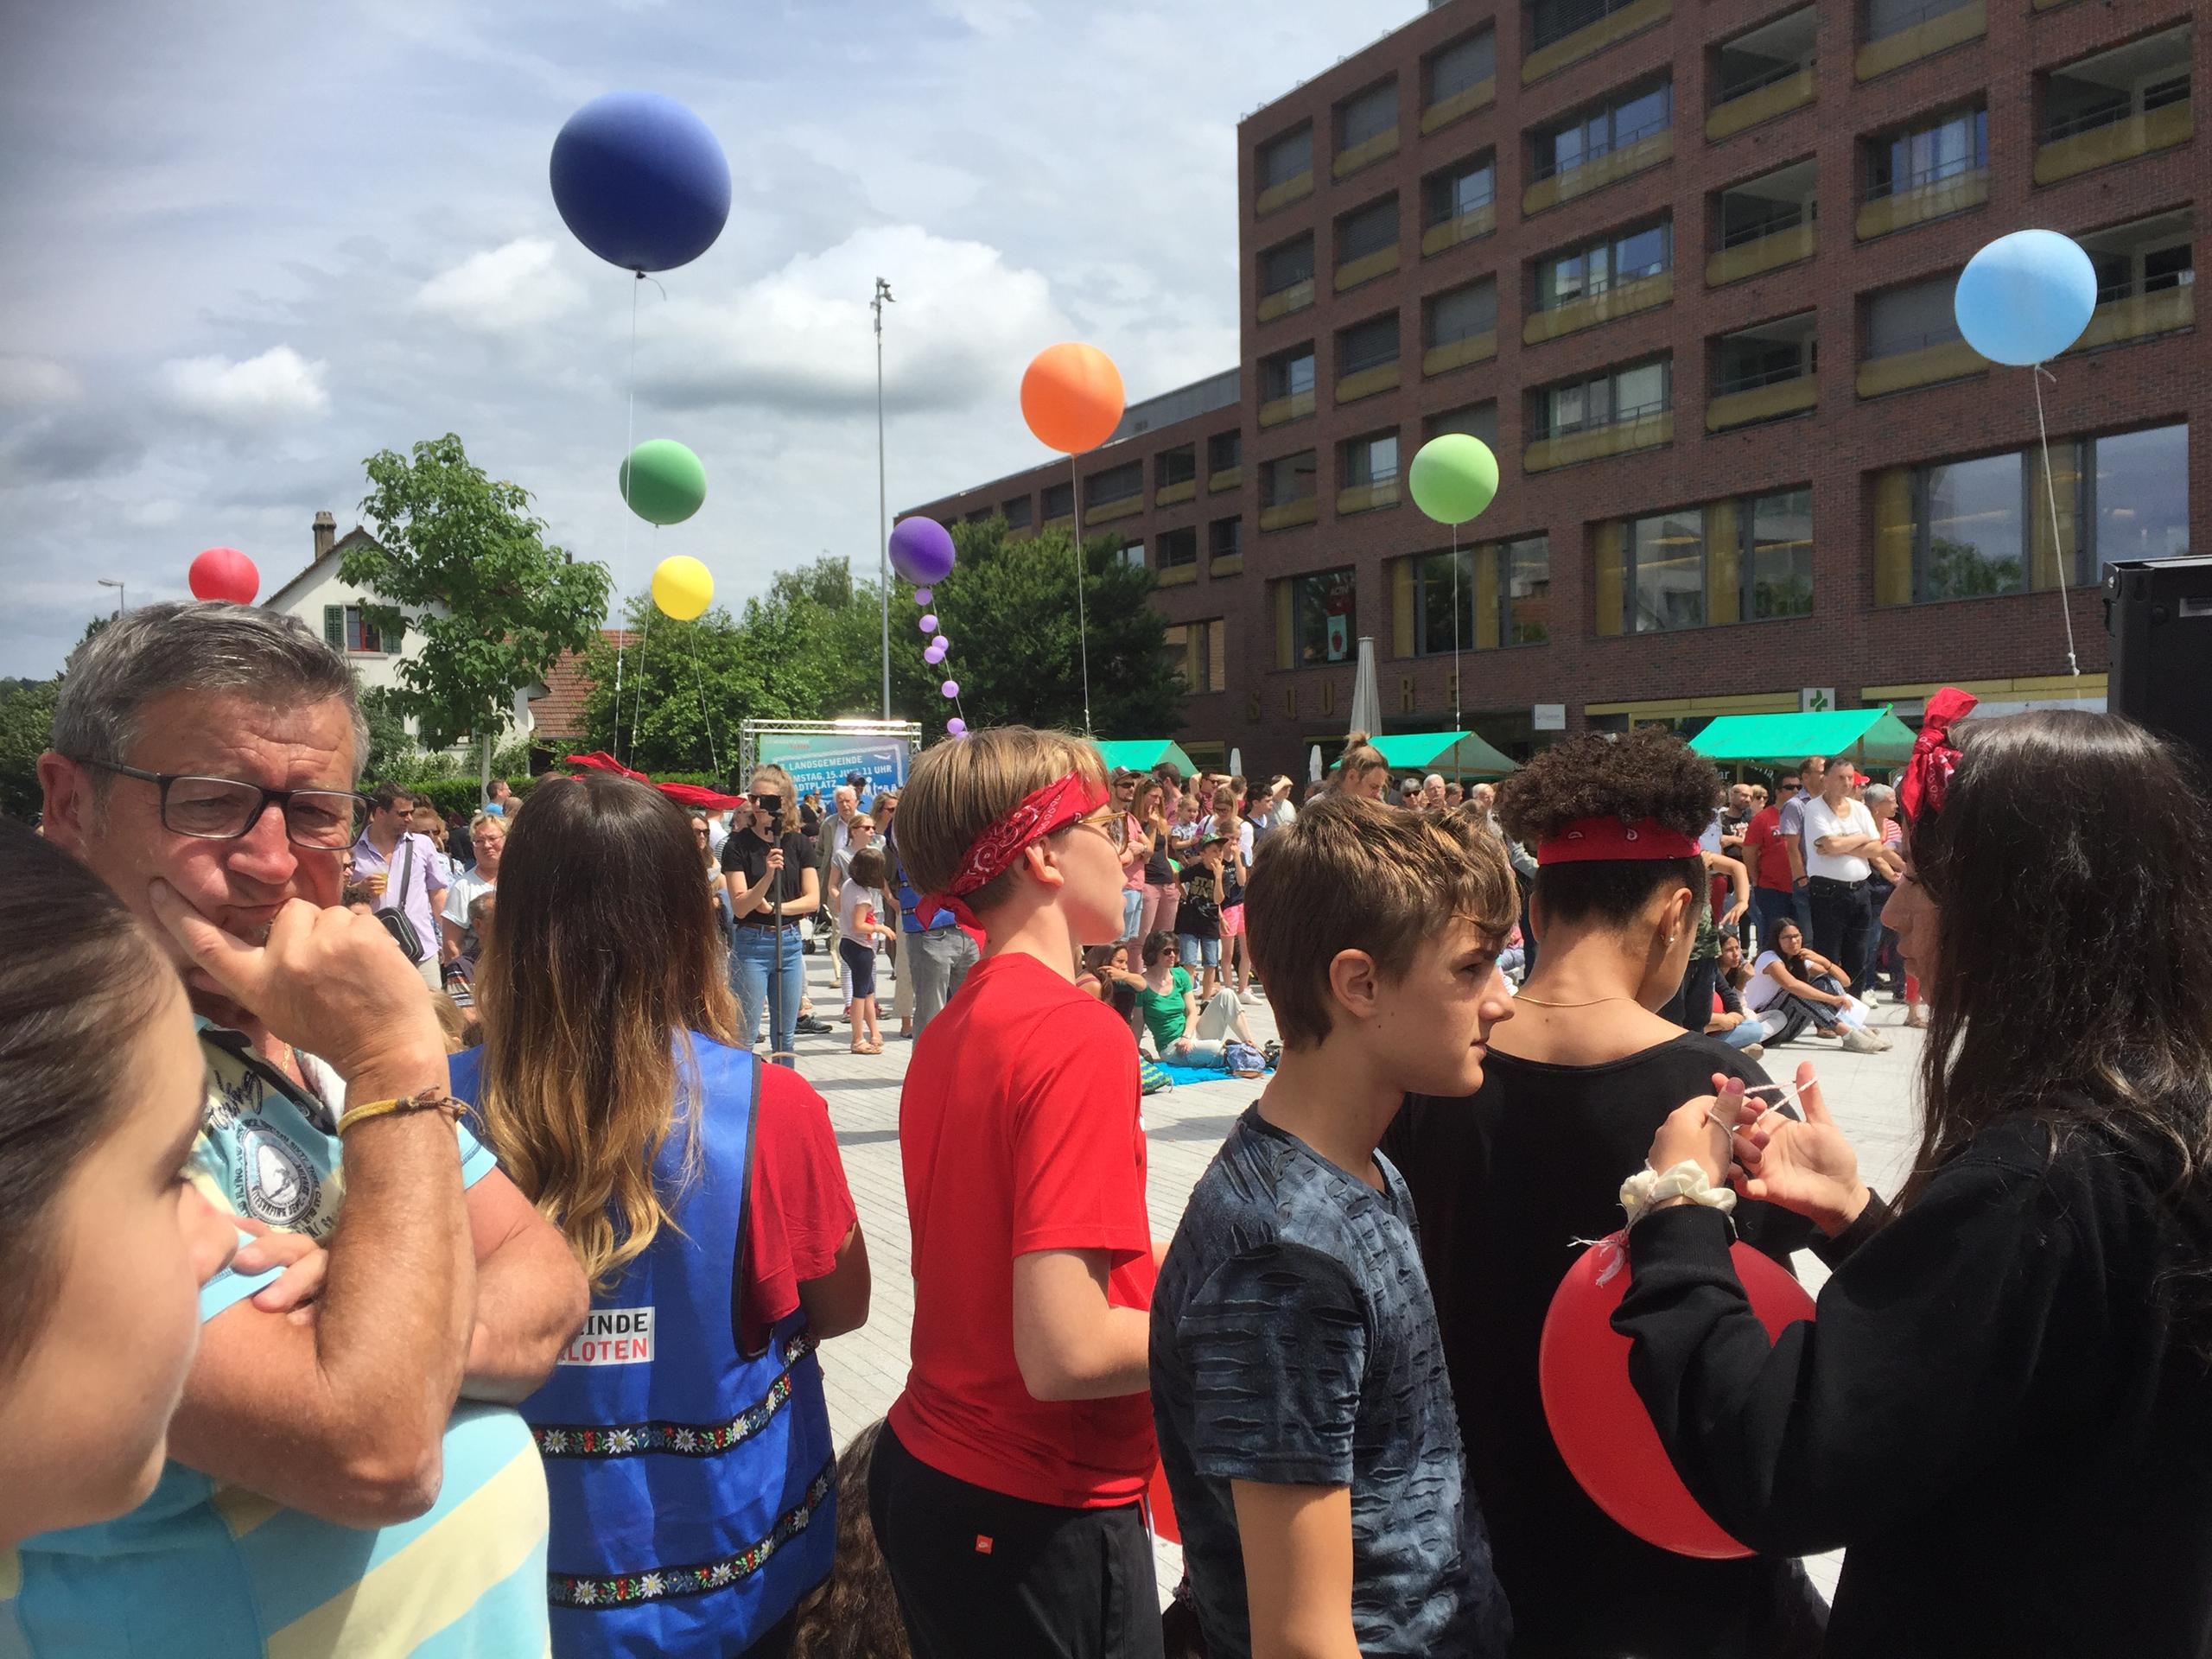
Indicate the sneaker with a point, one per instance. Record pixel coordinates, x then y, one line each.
1753 1050
812 1027
1859 1040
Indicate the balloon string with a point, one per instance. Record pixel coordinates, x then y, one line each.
714 759
638 703
629 444
2058 550
1455 628
1082 627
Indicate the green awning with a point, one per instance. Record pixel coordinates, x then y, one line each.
1143 754
1874 734
1462 752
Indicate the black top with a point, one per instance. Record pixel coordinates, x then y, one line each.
1505 1182
746 853
1198 913
1158 871
1990 1411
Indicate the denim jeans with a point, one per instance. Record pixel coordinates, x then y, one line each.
1771 908
751 977
939 960
1132 913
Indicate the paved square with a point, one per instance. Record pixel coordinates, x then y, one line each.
1869 1094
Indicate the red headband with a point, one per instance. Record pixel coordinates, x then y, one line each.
1041 812
1588 841
1927 774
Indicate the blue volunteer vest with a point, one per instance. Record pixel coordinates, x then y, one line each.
692 1489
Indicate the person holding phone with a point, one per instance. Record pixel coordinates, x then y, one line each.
768 872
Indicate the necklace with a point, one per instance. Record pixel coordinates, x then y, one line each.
1547 1002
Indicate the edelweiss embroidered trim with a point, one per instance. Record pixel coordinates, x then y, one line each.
683 1440
659 1583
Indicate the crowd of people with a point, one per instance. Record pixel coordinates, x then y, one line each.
350 1321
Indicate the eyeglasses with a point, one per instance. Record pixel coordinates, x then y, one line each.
222 809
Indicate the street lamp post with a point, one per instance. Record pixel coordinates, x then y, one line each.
122 602
882 493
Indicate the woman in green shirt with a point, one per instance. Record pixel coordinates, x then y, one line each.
1169 1009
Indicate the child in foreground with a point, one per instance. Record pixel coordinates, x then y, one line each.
1006 1485
1298 1384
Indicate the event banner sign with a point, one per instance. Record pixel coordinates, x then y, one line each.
821 762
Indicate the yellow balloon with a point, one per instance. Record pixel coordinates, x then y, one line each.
682 588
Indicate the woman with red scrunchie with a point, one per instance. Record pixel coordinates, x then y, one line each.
1505 1181
2004 1411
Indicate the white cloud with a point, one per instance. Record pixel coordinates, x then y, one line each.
990 18
802 338
30 382
278 385
504 290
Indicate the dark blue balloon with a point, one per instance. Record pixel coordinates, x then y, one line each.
640 181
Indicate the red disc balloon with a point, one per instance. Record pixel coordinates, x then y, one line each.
1162 1505
1597 1419
224 573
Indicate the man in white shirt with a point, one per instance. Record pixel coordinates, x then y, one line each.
1840 833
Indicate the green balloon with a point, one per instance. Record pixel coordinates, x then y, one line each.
663 482
1453 478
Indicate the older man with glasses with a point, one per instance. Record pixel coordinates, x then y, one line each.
345 1478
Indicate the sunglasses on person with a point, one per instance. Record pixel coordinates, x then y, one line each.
223 809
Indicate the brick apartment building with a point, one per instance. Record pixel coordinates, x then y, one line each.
1687 265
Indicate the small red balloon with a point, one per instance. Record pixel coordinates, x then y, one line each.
1597 1419
224 573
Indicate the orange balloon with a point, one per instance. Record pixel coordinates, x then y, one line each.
1072 397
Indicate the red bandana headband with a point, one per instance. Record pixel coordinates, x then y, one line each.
1927 774
1042 812
1589 841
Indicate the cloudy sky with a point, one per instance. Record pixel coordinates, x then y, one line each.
248 245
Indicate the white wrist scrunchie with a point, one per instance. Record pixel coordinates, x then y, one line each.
1687 1180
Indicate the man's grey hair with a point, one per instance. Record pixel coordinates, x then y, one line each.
1879 792
155 650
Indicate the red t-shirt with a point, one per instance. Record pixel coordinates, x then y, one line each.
798 1208
1020 1132
1762 842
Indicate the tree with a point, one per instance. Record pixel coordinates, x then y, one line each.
459 560
26 726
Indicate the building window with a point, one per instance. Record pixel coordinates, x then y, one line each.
1016 512
1567 145
1609 398
1371 229
1767 355
1466 63
1288 479
1584 272
1178 548
1369 344
1059 500
1942 148
1132 554
1504 592
1224 451
1778 555
1771 53
980 515
1176 466
1324 617
1286 374
1115 484
1554 20
2147 256
1226 538
1666 577
1371 460
1969 529
1886 17
1475 420
347 628
1748 559
1465 187
1774 202
2132 80
1367 115
1912 318
1198 651
1286 265
1462 313
1281 160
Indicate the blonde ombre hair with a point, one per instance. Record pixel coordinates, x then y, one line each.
603 962
961 786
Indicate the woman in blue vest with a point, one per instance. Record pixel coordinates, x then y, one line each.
686 1438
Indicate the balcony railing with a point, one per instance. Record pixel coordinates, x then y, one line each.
1173 576
1940 191
1623 299
1938 357
1366 153
1644 428
1768 397
1284 301
1169 495
1608 21
2139 316
1943 26
1366 497
1276 197
1302 511
1477 95
1102 512
1649 147
1446 233
1756 255
1367 381
1459 353
2105 142
1224 478
1788 87
1289 407
1366 268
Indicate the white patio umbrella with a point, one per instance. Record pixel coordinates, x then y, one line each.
1366 696
1236 763
1313 765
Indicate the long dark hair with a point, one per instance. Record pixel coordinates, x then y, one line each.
604 957
2073 975
78 972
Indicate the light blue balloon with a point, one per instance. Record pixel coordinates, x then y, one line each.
2025 297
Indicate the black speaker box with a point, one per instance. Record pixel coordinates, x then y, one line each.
2159 613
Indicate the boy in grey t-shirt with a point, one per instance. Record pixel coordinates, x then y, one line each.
1298 1388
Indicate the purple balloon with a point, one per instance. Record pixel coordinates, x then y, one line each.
942 643
921 551
956 727
922 597
927 624
951 689
934 655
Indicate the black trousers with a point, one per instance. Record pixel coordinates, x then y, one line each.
981 1575
1690 1006
1843 927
